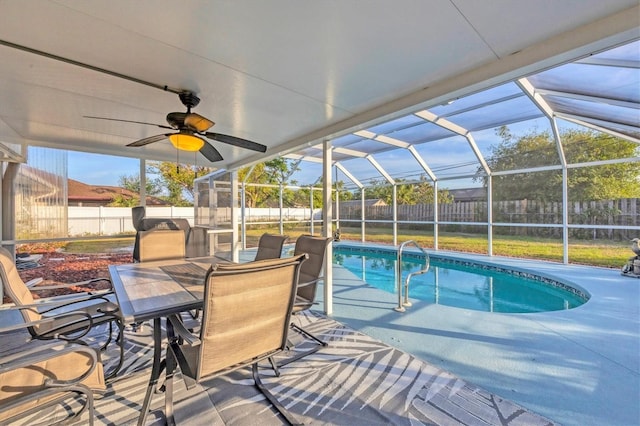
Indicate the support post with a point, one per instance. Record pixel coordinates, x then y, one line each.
327 221
235 246
281 204
395 214
362 215
489 215
435 215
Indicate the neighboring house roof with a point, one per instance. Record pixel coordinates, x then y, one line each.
79 192
468 194
368 202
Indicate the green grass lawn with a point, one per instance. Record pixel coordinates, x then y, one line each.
609 254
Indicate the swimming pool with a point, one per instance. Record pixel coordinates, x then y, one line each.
460 284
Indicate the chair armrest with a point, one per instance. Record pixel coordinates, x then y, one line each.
89 297
182 332
33 282
53 333
22 325
308 283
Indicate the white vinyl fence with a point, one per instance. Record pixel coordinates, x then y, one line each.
86 221
116 220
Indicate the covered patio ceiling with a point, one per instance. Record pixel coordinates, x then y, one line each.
291 74
600 93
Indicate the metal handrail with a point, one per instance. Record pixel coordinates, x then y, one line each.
401 303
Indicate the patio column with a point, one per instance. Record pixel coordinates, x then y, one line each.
311 209
243 215
9 206
281 205
435 215
327 227
235 240
395 214
362 214
143 182
489 216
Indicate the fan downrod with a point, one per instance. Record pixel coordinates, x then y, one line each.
189 99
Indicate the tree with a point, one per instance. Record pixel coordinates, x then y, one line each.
536 149
407 192
132 183
272 172
177 181
174 184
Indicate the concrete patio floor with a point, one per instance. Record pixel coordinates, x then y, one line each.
577 367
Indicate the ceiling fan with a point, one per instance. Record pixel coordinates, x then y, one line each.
191 131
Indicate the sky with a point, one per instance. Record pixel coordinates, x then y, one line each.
445 157
96 169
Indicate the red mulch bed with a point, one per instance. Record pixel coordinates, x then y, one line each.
61 268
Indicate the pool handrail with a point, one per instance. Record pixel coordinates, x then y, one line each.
401 303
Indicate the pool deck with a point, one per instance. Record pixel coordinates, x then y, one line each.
577 367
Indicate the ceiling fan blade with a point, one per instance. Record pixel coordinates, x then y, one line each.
128 121
197 122
232 140
150 139
210 152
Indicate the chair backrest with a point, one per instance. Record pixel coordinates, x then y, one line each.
14 287
316 248
246 312
196 238
270 246
161 244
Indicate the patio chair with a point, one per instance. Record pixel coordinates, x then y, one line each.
315 247
72 317
35 379
195 238
270 246
160 244
246 315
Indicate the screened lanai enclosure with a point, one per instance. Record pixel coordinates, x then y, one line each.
550 157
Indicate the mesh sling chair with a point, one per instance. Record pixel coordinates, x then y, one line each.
246 315
315 247
36 379
71 317
195 239
270 246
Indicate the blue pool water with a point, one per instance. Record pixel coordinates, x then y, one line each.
458 285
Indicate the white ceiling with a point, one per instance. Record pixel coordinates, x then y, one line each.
284 73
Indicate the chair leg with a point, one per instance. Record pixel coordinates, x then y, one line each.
274 366
120 342
304 332
168 388
103 347
290 418
311 336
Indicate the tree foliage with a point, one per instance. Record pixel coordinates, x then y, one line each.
536 149
407 192
173 184
278 172
177 181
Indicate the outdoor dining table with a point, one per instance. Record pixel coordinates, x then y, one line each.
154 290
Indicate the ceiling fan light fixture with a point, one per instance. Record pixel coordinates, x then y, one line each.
186 141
